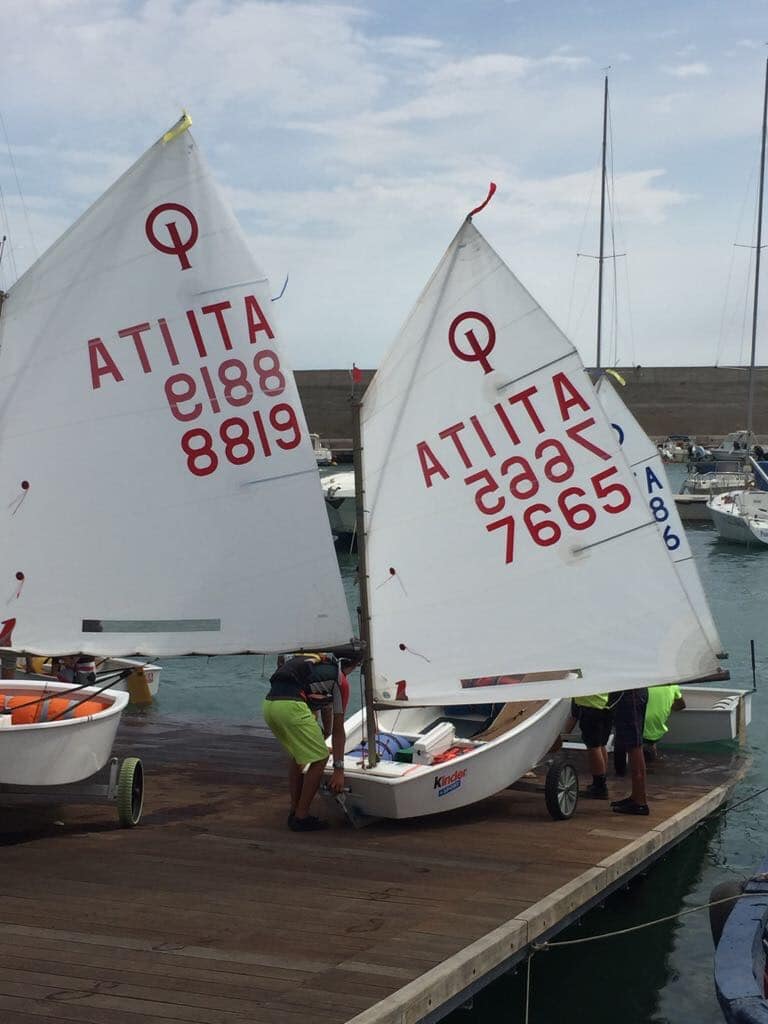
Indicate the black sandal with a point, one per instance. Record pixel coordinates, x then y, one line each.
629 806
308 824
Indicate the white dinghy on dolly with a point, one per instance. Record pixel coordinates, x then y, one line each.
159 486
525 567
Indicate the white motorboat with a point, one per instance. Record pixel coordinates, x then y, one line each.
734 445
339 493
723 476
161 492
502 579
323 454
741 516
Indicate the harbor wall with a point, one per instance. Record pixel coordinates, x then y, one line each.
703 401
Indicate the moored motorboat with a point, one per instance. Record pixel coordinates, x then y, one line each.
323 454
741 516
339 493
739 919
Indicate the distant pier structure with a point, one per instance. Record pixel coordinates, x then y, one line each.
703 401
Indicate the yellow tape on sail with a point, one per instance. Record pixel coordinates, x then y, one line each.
184 122
617 376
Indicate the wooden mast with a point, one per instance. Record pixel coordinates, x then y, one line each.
601 257
362 576
751 391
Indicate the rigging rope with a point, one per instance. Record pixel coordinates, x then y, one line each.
18 186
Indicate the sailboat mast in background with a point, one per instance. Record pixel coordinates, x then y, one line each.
751 394
601 257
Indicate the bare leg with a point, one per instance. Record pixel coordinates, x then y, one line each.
295 782
310 785
598 760
637 767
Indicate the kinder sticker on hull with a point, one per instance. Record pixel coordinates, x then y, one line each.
448 783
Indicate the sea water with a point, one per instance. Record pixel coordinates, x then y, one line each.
661 974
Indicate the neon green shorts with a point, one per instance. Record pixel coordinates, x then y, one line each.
296 728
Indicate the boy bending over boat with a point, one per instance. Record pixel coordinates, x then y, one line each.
301 687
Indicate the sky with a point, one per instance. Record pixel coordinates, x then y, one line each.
352 139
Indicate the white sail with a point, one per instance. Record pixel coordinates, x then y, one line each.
506 532
158 483
648 466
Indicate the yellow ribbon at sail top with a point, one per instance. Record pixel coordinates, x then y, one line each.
617 376
184 122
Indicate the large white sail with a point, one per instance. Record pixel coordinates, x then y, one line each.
159 488
648 466
507 535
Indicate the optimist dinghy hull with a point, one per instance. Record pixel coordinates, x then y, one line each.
53 753
490 761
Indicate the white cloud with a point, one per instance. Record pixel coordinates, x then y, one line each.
352 146
697 70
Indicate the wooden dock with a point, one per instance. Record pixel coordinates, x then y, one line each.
212 911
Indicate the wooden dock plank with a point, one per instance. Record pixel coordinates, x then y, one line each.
213 911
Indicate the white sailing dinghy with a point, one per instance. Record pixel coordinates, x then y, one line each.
711 712
160 490
524 568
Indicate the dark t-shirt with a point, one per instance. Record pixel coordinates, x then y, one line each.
316 683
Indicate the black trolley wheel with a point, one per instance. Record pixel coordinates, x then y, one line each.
561 790
130 792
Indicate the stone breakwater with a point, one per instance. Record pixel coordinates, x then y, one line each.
704 401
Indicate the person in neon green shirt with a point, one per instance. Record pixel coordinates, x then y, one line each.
662 701
595 719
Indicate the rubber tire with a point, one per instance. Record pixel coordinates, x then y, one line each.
130 792
561 791
719 915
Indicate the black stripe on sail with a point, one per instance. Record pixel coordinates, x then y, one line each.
151 626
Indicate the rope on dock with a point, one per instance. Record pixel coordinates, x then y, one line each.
541 947
544 946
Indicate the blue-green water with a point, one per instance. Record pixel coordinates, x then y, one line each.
663 974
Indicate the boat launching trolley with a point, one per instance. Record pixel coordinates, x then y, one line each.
120 783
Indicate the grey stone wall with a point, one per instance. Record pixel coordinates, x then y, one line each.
703 401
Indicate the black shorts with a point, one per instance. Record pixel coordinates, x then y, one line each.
629 717
595 726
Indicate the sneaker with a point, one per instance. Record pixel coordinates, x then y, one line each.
290 819
595 792
629 807
308 824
